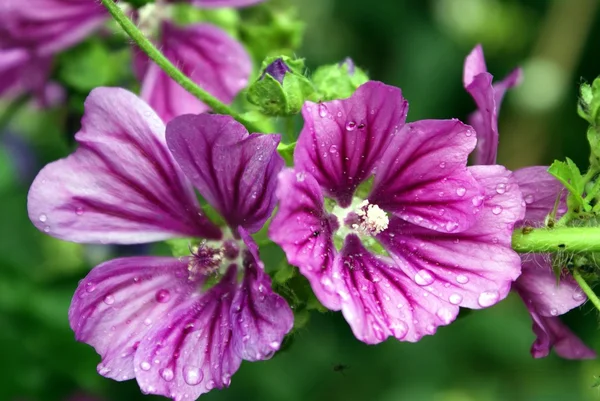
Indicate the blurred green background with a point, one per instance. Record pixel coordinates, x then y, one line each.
416 45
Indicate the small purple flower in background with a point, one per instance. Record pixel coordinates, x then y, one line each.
205 53
430 236
277 69
180 326
537 285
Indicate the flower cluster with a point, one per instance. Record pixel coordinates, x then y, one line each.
383 217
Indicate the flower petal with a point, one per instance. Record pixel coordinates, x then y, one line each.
191 352
21 71
542 292
260 317
474 268
379 301
422 176
121 185
234 171
474 65
552 333
204 53
540 192
304 230
48 26
342 140
118 302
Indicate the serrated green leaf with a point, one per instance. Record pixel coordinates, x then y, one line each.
569 175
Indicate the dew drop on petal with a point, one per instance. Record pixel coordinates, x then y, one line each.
455 299
192 375
488 298
461 191
445 315
275 345
322 110
300 176
43 218
497 209
163 296
79 211
451 226
167 374
554 312
109 299
47 229
501 188
477 201
423 277
399 329
210 385
90 286
462 279
529 199
443 165
145 365
333 149
578 296
350 126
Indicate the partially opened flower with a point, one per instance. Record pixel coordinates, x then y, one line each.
48 26
488 97
206 54
544 296
430 236
180 326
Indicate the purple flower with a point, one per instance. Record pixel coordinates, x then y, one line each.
207 55
48 26
537 285
431 234
488 97
180 326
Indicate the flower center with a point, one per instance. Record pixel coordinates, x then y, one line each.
211 258
370 219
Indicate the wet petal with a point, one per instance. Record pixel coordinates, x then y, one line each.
190 352
552 333
542 292
204 53
305 230
234 171
474 268
422 176
48 26
379 301
121 185
260 317
540 192
342 140
119 301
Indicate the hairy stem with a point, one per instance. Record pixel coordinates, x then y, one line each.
147 47
587 289
574 239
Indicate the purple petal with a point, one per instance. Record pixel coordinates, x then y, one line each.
122 184
511 80
118 302
551 332
474 65
540 192
342 140
474 268
277 69
422 176
379 301
542 292
225 3
304 230
234 171
260 317
207 55
48 26
21 71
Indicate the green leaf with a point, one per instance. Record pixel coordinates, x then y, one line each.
569 175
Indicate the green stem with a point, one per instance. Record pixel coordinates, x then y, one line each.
147 47
574 239
586 288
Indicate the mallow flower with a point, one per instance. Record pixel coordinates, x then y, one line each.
180 326
544 296
429 236
208 55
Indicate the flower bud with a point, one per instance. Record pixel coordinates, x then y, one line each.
338 81
282 88
589 109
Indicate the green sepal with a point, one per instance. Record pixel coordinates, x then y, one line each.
336 81
569 175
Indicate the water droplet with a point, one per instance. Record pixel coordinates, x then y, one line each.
275 345
322 110
326 281
145 365
497 209
399 329
148 321
90 286
350 126
166 374
554 312
333 149
461 191
445 315
339 114
79 211
455 299
468 133
488 298
578 296
47 229
361 126
210 385
226 379
193 376
477 201
501 188
451 226
423 277
300 176
163 296
462 279
43 218
109 299
443 165
529 199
